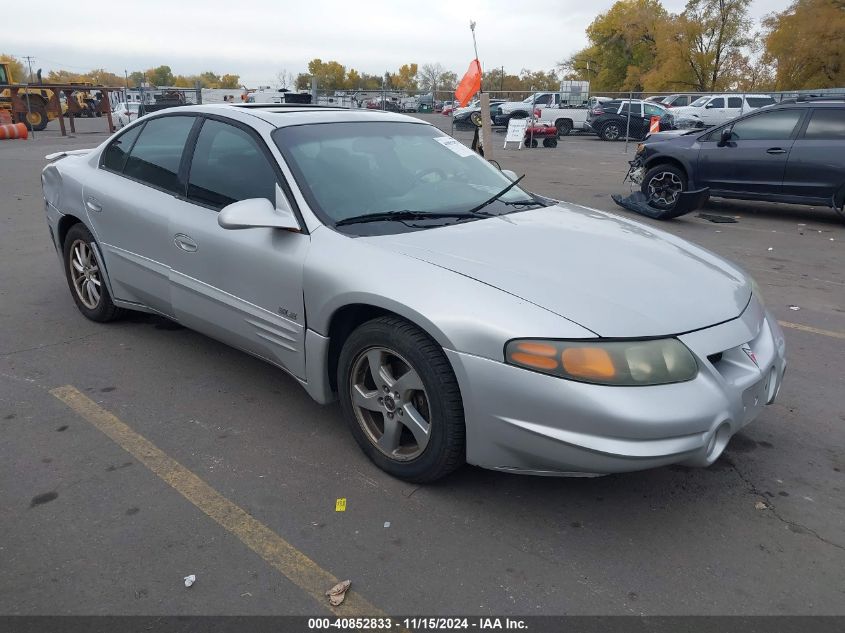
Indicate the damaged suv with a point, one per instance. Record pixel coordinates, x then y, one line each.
792 152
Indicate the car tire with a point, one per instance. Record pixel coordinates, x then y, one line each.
564 127
411 364
611 131
549 142
84 277
36 117
475 119
662 184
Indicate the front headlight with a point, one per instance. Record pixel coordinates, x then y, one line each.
620 363
640 148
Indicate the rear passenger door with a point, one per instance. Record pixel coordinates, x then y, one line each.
243 287
816 165
129 201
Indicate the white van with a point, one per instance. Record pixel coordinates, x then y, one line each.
717 109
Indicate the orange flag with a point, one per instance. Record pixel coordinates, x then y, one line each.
470 84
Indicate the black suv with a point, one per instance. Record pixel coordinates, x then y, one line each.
790 152
609 119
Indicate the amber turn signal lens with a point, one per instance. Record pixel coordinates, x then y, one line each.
588 362
538 349
533 361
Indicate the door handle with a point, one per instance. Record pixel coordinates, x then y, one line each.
185 243
776 150
93 204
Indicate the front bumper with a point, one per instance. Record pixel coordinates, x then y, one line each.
526 422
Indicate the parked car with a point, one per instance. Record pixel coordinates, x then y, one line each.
718 109
550 107
124 113
448 108
611 121
678 101
470 116
362 253
791 152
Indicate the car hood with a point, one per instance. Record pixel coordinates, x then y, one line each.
615 277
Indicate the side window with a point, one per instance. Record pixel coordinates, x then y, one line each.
826 125
734 102
770 126
651 110
719 102
542 100
681 101
114 158
3 78
228 166
636 108
157 153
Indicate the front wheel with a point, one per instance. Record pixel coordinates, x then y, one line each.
84 277
401 400
663 185
35 117
564 127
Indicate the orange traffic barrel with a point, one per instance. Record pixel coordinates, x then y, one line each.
15 130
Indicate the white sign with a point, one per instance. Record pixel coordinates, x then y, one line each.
456 146
516 131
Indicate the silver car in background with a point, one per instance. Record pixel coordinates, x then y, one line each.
456 316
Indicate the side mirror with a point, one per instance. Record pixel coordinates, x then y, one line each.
725 137
510 174
259 212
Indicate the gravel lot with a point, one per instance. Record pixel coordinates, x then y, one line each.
89 529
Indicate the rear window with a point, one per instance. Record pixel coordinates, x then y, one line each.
157 153
759 102
826 125
114 158
734 102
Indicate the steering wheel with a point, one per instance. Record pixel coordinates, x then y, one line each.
424 174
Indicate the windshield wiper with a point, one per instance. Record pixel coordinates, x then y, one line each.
406 214
492 199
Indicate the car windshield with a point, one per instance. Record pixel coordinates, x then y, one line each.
359 168
699 102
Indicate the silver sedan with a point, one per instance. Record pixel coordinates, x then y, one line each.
456 316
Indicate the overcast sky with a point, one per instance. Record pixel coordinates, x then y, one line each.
257 38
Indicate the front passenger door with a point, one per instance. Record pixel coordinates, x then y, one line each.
243 287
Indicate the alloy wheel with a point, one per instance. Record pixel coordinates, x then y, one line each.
85 274
664 188
390 403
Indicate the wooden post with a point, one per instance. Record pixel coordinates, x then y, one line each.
56 103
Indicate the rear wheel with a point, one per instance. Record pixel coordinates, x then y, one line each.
564 127
663 185
401 400
549 142
84 277
35 117
611 131
475 117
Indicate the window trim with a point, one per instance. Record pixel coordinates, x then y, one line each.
188 157
144 122
799 128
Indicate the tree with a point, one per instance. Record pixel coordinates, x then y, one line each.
429 76
284 79
136 78
406 78
230 81
702 48
160 76
19 74
330 75
623 46
806 44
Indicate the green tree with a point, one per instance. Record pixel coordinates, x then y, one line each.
330 75
806 44
230 81
160 76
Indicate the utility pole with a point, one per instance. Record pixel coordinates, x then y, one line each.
28 59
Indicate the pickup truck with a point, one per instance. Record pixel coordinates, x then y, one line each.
553 108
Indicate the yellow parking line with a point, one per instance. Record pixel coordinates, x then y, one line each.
812 330
298 568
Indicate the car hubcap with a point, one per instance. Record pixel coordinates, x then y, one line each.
611 132
390 403
85 274
664 188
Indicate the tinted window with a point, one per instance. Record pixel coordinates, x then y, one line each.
543 99
827 125
3 79
652 110
734 102
158 151
717 103
759 102
114 158
681 101
228 165
774 126
636 108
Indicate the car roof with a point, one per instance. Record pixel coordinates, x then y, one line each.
283 115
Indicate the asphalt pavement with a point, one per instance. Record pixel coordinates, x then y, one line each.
135 453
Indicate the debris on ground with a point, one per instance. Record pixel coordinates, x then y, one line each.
337 593
387 524
718 219
190 580
687 201
760 505
770 248
794 307
340 505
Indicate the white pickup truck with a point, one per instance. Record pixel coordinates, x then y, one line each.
553 108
